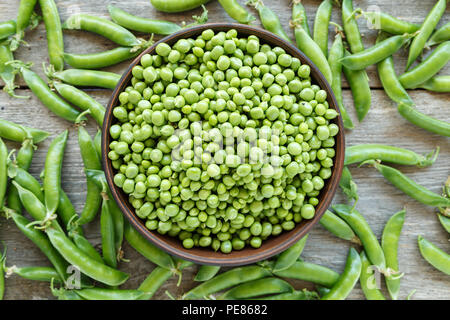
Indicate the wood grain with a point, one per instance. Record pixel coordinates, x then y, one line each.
379 200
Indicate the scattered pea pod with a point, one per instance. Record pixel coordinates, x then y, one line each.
348 186
256 288
107 232
206 273
25 180
425 30
440 35
269 19
7 28
411 188
385 153
295 295
427 68
299 14
98 143
25 17
84 245
445 222
86 78
352 34
66 212
236 11
387 23
45 274
177 6
321 25
348 278
288 257
154 281
3 172
54 32
338 227
110 294
15 132
7 73
423 121
435 256
362 229
367 280
389 243
226 280
436 84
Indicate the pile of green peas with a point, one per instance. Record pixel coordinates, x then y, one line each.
222 141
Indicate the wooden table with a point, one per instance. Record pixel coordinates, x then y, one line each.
379 200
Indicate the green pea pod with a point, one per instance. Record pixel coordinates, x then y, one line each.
236 11
310 272
288 257
387 23
338 227
385 153
348 186
423 121
107 232
269 19
362 229
135 23
52 175
348 278
7 73
7 28
389 243
45 274
25 15
206 273
436 84
15 132
110 294
351 29
299 14
411 188
336 53
226 280
445 222
83 262
440 35
98 143
321 25
63 294
66 212
154 281
26 180
257 288
54 32
86 78
2 274
176 6
427 68
3 171
359 84
434 256
367 280
84 245
295 295
426 29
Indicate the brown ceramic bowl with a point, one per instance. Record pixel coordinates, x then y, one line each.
271 246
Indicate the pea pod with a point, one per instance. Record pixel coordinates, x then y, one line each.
98 143
86 78
436 84
66 212
362 229
351 29
107 232
176 6
321 25
2 273
206 273
299 14
25 180
423 121
86 264
427 68
411 188
45 274
348 278
7 28
154 281
348 186
426 29
389 243
310 272
100 59
338 227
109 294
440 35
52 176
434 256
288 257
15 132
295 295
385 153
226 280
84 245
7 73
54 32
256 288
3 171
385 22
367 280
269 19
25 17
236 11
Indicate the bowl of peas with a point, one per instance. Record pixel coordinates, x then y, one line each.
223 144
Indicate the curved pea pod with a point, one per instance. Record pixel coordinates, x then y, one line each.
3 171
66 212
15 132
236 11
84 245
436 84
176 6
423 121
45 274
295 295
351 29
389 243
54 32
63 294
110 294
206 273
426 29
385 22
427 68
362 229
367 280
257 288
348 186
226 280
25 17
299 14
440 35
87 78
7 28
385 153
288 257
83 262
135 23
25 180
359 84
348 278
154 281
107 232
269 19
434 256
98 143
310 272
380 51
7 73
148 250
445 222
338 227
321 25
409 187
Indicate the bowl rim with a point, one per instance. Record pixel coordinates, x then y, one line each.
218 258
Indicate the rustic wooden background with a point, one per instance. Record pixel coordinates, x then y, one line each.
379 200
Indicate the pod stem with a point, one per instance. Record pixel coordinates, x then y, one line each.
143 44
45 223
201 19
9 271
357 13
257 4
430 158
